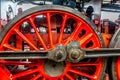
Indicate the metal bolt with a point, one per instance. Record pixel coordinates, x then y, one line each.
59 55
75 54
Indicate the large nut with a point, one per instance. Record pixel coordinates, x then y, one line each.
59 54
75 55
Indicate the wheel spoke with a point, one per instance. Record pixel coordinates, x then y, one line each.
82 74
62 28
17 63
75 32
25 73
36 77
49 29
61 79
43 79
25 38
37 33
11 47
69 77
85 38
84 64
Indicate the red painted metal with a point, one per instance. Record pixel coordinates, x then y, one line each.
34 69
117 69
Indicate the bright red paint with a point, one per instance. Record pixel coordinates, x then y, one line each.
47 42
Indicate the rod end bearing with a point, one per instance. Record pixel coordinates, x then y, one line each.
75 54
58 54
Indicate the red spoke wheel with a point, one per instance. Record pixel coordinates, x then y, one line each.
115 66
42 28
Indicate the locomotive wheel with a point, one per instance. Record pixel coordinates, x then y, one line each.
115 66
42 28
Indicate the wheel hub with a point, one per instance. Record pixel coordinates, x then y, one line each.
54 69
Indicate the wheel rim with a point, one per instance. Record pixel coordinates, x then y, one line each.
116 61
55 27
